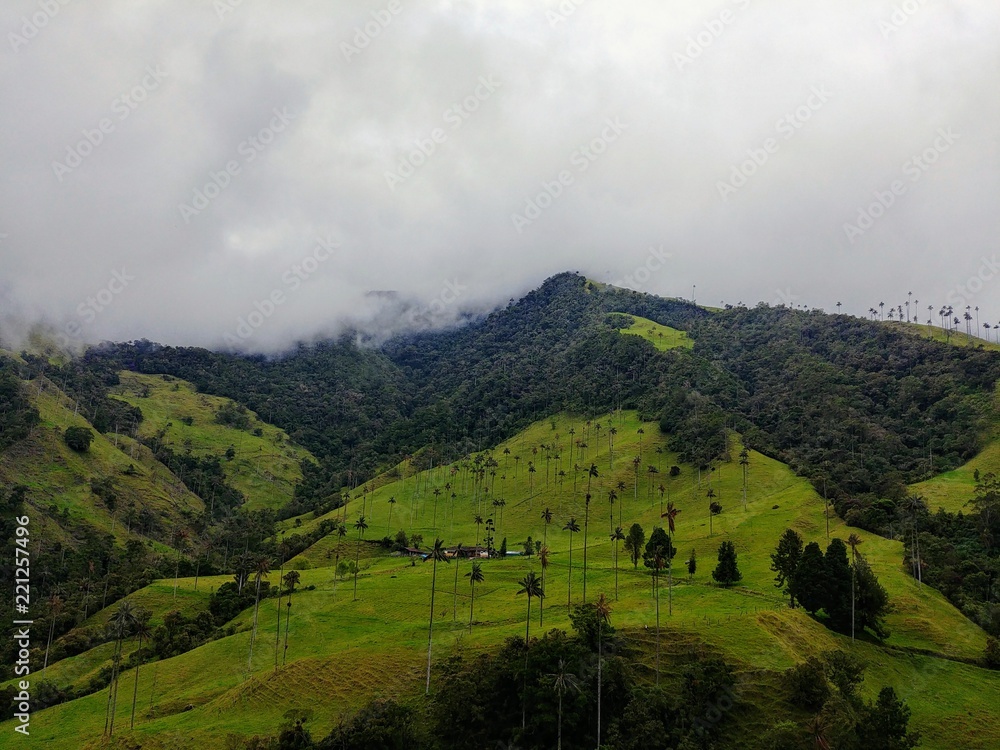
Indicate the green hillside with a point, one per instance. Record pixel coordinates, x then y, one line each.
265 467
662 337
59 479
343 652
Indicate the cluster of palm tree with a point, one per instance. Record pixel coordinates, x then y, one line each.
948 320
127 620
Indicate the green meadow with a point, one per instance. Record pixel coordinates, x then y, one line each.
345 650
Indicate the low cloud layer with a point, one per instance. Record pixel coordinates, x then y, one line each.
248 174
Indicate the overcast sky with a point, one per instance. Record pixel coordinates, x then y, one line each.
246 173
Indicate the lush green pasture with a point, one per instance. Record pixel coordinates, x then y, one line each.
344 651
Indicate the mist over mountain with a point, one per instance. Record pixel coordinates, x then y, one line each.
198 172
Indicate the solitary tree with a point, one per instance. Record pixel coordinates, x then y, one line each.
634 541
727 572
436 555
692 564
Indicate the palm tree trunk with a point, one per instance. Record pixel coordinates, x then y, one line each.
524 681
656 579
277 632
454 605
600 658
559 745
288 617
472 605
569 587
135 687
430 629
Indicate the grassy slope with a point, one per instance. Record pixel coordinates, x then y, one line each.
60 477
660 336
952 490
341 650
265 469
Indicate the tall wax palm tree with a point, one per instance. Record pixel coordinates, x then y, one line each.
612 496
291 579
388 524
611 447
532 587
262 568
572 527
711 509
341 533
436 555
616 536
670 515
547 518
603 610
282 550
853 541
55 609
475 576
458 555
180 538
437 494
543 558
563 681
478 520
745 465
142 632
658 563
586 529
362 526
